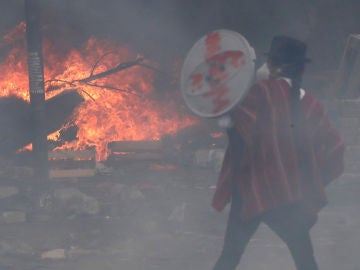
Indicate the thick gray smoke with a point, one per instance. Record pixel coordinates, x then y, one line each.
163 219
165 30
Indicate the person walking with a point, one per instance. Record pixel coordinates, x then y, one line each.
282 152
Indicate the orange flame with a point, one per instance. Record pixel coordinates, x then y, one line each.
125 111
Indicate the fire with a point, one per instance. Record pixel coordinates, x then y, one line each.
121 106
217 135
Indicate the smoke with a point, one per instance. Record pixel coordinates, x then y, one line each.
164 31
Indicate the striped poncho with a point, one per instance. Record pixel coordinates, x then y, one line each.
267 171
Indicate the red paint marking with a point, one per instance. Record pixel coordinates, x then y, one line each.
219 101
216 64
234 56
197 79
213 45
217 70
218 73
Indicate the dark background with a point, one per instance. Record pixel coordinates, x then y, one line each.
164 30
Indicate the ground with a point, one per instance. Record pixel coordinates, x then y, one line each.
162 219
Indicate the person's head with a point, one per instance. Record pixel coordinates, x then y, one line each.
287 57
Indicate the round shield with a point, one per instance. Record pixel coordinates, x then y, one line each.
217 72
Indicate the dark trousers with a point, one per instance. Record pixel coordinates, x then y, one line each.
290 223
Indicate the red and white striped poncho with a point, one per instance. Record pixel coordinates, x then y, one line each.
267 173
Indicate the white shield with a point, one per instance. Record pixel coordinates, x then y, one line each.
217 72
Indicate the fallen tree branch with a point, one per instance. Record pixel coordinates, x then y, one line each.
109 87
120 67
92 77
98 61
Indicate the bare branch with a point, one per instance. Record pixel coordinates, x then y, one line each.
58 87
120 67
109 87
97 63
93 99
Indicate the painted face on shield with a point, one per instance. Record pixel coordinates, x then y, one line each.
214 73
223 66
210 78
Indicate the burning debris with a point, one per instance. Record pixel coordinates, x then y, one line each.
69 163
17 123
115 107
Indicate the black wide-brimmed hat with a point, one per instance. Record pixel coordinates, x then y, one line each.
287 50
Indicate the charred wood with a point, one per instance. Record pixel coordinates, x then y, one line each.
16 121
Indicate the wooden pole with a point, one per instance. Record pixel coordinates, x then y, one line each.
36 86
